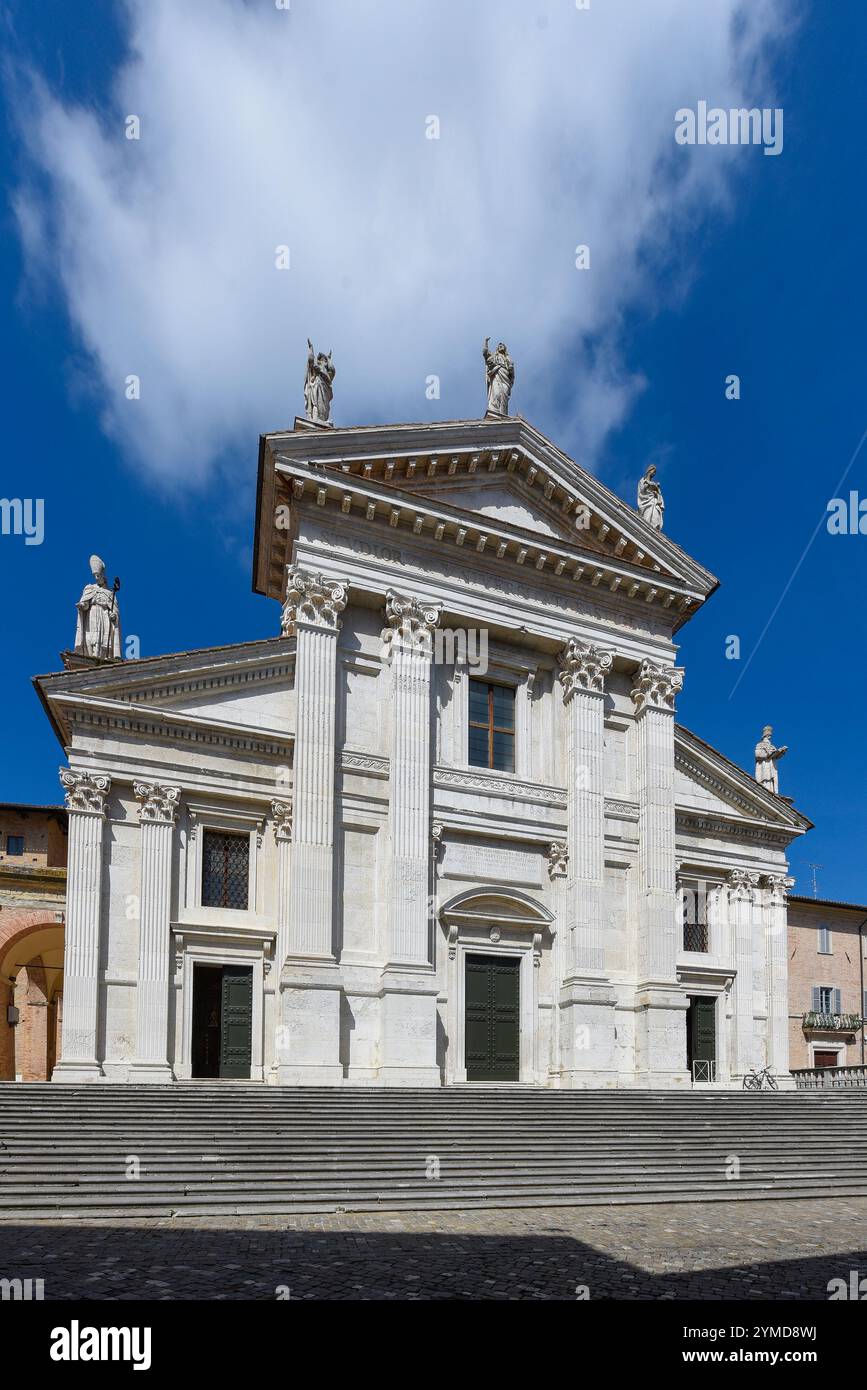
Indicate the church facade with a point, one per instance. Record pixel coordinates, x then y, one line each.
443 826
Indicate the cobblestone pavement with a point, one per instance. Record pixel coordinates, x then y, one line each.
738 1250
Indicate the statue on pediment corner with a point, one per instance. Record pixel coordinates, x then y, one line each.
500 376
650 504
97 629
317 386
767 757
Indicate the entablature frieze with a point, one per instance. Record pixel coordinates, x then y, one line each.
161 725
479 781
472 596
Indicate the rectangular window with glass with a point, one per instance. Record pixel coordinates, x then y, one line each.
225 870
492 726
14 844
826 999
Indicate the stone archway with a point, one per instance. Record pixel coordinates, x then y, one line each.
31 981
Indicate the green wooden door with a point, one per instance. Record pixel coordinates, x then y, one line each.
703 1029
492 1018
236 1018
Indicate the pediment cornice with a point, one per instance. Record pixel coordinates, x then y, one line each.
142 696
392 476
463 534
750 804
77 713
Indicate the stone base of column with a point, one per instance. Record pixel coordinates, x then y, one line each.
76 1072
150 1073
587 1052
408 1049
660 1037
308 1035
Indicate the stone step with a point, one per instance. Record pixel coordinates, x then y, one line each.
212 1150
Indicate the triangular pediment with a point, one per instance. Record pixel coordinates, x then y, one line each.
495 488
509 501
709 784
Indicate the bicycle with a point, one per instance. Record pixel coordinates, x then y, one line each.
755 1080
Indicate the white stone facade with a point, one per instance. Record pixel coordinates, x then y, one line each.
378 859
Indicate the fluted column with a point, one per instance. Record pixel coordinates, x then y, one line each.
408 638
85 797
654 695
308 1028
586 1029
660 1045
311 612
281 812
408 1026
776 886
158 811
583 669
743 885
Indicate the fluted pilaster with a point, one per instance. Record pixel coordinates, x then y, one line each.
158 810
281 812
311 612
776 886
582 675
654 696
85 798
743 888
408 637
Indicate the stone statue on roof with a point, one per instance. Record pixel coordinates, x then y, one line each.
650 504
500 376
317 386
767 757
97 630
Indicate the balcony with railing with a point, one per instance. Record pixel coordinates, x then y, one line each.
817 1022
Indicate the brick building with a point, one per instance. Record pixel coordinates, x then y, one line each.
826 982
33 843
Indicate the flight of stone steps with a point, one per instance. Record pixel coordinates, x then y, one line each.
216 1149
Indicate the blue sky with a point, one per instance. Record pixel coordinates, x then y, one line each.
405 253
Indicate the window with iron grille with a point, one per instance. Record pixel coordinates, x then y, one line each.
225 870
693 894
492 726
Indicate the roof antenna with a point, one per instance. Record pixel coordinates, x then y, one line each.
814 867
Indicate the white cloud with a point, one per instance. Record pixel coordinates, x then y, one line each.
261 127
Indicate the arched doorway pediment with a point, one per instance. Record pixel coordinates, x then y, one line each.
496 906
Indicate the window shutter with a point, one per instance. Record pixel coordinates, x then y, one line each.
817 1003
836 1008
864 1006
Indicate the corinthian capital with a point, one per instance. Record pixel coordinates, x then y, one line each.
85 791
656 686
312 601
778 885
410 622
742 882
282 814
159 804
583 667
